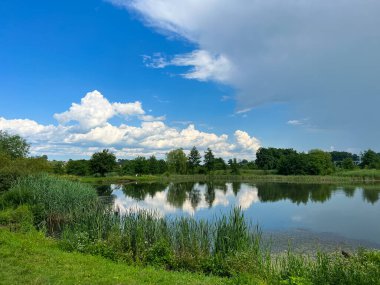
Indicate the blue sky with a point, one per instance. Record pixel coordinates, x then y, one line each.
272 75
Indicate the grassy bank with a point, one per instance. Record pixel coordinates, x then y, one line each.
339 177
31 258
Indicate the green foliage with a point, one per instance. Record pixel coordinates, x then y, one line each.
220 164
12 169
13 145
370 159
348 163
319 163
18 219
78 167
142 166
194 159
160 255
316 162
177 161
58 167
269 158
339 156
102 162
329 269
209 160
234 166
293 164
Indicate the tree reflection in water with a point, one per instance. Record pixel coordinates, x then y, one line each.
205 194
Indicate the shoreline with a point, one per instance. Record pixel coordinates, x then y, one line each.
270 178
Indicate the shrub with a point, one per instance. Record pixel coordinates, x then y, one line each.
20 218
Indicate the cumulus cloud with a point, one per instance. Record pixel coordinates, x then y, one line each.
92 131
246 142
94 110
321 56
128 109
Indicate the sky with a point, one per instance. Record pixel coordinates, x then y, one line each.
142 77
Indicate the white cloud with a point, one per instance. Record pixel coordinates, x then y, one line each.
94 110
319 55
149 118
204 65
294 122
93 132
33 130
246 142
128 109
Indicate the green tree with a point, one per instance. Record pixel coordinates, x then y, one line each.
220 164
102 162
153 165
370 159
141 165
234 166
348 163
269 158
194 159
209 160
177 161
78 167
58 167
319 162
13 145
293 164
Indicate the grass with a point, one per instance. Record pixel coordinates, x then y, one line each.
340 176
33 259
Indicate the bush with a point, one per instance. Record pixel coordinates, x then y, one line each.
20 218
11 170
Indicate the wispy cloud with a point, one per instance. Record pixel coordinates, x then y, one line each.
203 65
295 122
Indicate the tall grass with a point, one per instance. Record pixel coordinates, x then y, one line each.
55 202
184 243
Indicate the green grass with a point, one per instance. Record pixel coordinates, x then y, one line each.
339 177
33 259
365 174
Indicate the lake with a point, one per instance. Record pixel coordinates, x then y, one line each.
325 215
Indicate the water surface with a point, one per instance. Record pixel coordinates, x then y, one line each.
325 213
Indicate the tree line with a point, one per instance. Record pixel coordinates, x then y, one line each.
15 162
314 162
176 162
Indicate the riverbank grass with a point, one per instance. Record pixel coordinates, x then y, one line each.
31 258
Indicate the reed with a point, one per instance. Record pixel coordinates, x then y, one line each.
54 202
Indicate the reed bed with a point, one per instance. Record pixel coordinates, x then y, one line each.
54 202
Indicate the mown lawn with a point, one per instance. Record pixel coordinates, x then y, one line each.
30 258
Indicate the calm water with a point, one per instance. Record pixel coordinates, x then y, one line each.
328 213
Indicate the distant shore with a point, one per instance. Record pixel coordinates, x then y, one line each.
343 177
